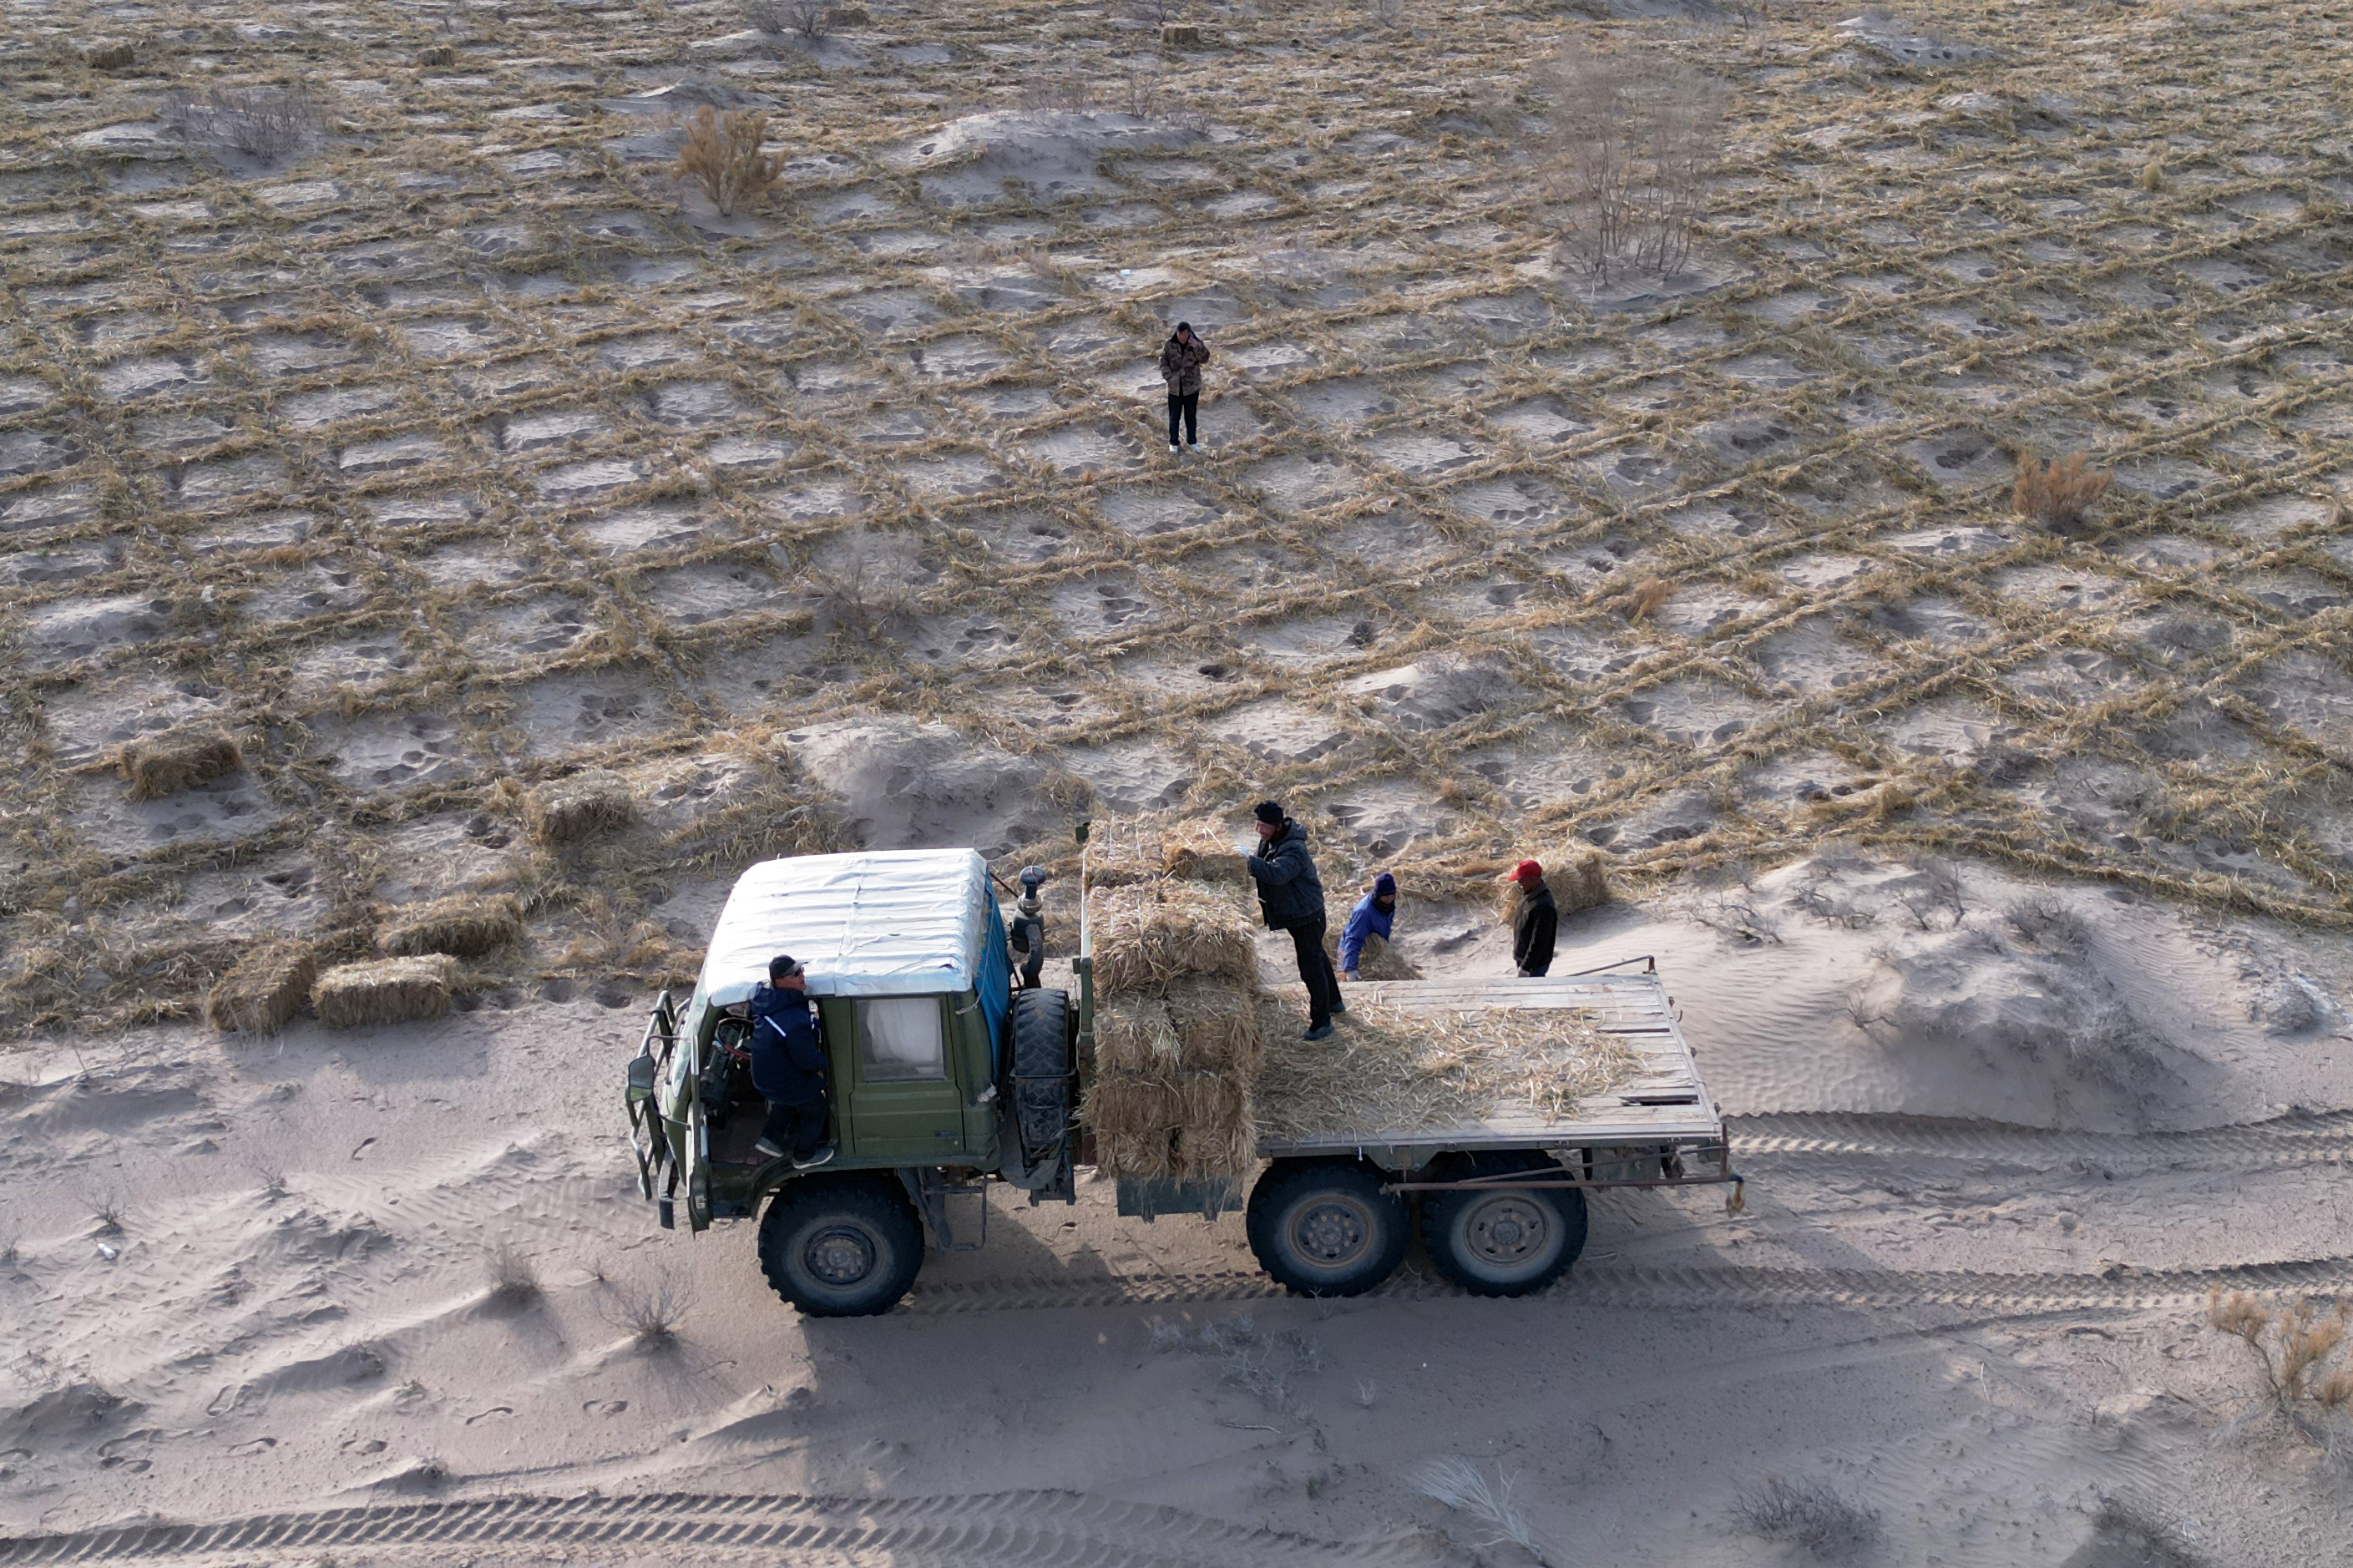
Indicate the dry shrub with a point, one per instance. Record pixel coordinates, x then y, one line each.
389 991
862 582
722 155
1149 934
1809 1516
1387 1069
812 19
263 989
2058 494
265 123
1463 1487
591 802
1633 142
2295 1346
514 1277
1145 94
649 1312
170 763
464 925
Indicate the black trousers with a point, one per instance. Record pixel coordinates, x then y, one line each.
1315 973
1187 404
798 1129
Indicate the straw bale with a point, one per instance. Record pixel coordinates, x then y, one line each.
1149 934
1203 851
167 765
1191 1125
1389 1069
1578 879
591 802
464 925
1149 1155
389 991
263 989
1136 1034
1121 854
1216 1024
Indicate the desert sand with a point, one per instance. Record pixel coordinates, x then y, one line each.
441 447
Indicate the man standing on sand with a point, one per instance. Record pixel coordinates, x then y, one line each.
789 1067
1291 896
1181 359
1534 922
1374 915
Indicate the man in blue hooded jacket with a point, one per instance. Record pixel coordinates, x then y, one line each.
789 1067
1374 915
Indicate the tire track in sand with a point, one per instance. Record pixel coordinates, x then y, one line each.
2010 1295
2324 1138
1003 1529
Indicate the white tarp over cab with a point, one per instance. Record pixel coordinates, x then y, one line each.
896 923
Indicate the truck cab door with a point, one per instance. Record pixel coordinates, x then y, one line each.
903 1103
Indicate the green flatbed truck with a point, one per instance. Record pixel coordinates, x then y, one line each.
947 1077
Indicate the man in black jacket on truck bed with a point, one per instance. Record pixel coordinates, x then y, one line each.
1292 895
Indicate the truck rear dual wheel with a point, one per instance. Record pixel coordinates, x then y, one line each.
1324 1227
842 1246
1505 1243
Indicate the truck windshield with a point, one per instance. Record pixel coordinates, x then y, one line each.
898 1038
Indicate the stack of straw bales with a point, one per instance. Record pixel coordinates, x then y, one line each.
1176 1030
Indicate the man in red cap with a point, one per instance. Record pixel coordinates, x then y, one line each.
1534 922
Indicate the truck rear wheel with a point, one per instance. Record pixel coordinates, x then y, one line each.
1324 1227
842 1246
1505 1243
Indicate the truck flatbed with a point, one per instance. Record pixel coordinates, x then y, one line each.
1666 1103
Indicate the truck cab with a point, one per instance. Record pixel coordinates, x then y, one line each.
911 982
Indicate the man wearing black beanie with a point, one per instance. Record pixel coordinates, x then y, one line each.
1292 895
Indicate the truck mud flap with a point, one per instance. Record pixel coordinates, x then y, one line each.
1148 1200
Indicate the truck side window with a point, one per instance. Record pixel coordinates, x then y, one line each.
899 1038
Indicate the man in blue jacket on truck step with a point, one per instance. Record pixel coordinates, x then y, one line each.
789 1067
1375 915
1291 896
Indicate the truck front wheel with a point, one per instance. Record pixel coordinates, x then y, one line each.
1324 1227
1505 1243
842 1246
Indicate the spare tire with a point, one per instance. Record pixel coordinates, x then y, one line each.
1041 1055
